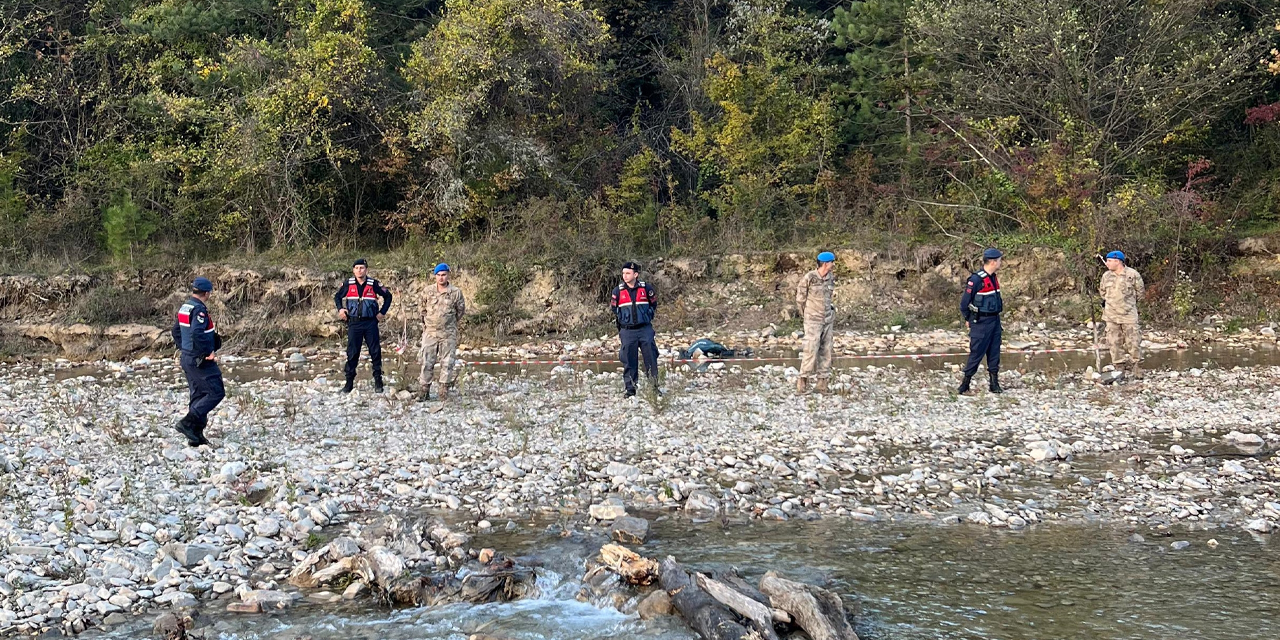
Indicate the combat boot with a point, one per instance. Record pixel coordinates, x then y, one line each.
1135 372
822 385
187 427
425 394
800 386
964 386
351 382
200 425
377 384
995 384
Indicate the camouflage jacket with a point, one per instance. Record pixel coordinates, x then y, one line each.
813 297
441 311
1120 293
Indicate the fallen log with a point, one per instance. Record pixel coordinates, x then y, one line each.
630 565
703 613
817 611
760 616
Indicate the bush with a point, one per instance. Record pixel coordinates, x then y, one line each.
109 305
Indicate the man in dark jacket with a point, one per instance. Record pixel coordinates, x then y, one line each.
634 305
980 305
194 334
357 304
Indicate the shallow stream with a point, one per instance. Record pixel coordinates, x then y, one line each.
904 581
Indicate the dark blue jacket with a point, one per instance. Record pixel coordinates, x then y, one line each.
193 332
361 300
981 296
633 307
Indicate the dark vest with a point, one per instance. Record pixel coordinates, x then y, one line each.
986 298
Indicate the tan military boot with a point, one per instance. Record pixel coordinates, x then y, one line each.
444 392
822 385
1135 371
800 386
425 394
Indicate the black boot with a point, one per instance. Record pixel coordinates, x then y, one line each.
200 425
350 384
964 386
187 427
995 384
377 384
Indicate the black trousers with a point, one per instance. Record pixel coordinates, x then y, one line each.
204 383
639 340
363 331
984 341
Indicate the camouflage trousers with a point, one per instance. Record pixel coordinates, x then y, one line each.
1124 339
815 360
442 349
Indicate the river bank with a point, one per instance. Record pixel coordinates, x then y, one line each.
107 512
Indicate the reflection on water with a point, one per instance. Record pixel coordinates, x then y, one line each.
904 581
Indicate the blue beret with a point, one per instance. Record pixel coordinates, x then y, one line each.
826 256
1118 255
992 254
440 268
202 284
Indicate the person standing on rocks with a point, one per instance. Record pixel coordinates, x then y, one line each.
981 305
442 308
194 334
634 305
814 302
357 304
1120 288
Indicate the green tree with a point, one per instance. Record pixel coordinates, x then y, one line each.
883 74
504 87
126 226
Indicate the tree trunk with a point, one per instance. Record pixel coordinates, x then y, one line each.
760 616
703 613
817 611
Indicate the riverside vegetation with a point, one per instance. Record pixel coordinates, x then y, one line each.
568 133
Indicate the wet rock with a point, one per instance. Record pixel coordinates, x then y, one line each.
1259 525
655 605
630 530
1179 545
607 511
1244 439
268 599
701 502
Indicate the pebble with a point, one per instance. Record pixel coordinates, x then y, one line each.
733 442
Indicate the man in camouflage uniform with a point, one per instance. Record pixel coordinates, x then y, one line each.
1120 288
442 308
813 300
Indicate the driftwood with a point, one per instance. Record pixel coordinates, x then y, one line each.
818 611
731 578
630 565
703 613
760 616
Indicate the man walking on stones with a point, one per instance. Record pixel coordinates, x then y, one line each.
981 306
442 308
1120 288
194 334
634 305
357 304
814 302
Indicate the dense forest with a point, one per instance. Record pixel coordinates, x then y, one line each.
137 129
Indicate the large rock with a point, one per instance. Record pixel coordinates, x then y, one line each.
701 502
267 599
630 530
607 511
654 605
190 554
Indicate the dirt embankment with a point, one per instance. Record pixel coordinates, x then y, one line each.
126 312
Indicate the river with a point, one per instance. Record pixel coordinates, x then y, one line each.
903 581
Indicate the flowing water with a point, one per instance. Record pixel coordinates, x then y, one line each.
907 581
